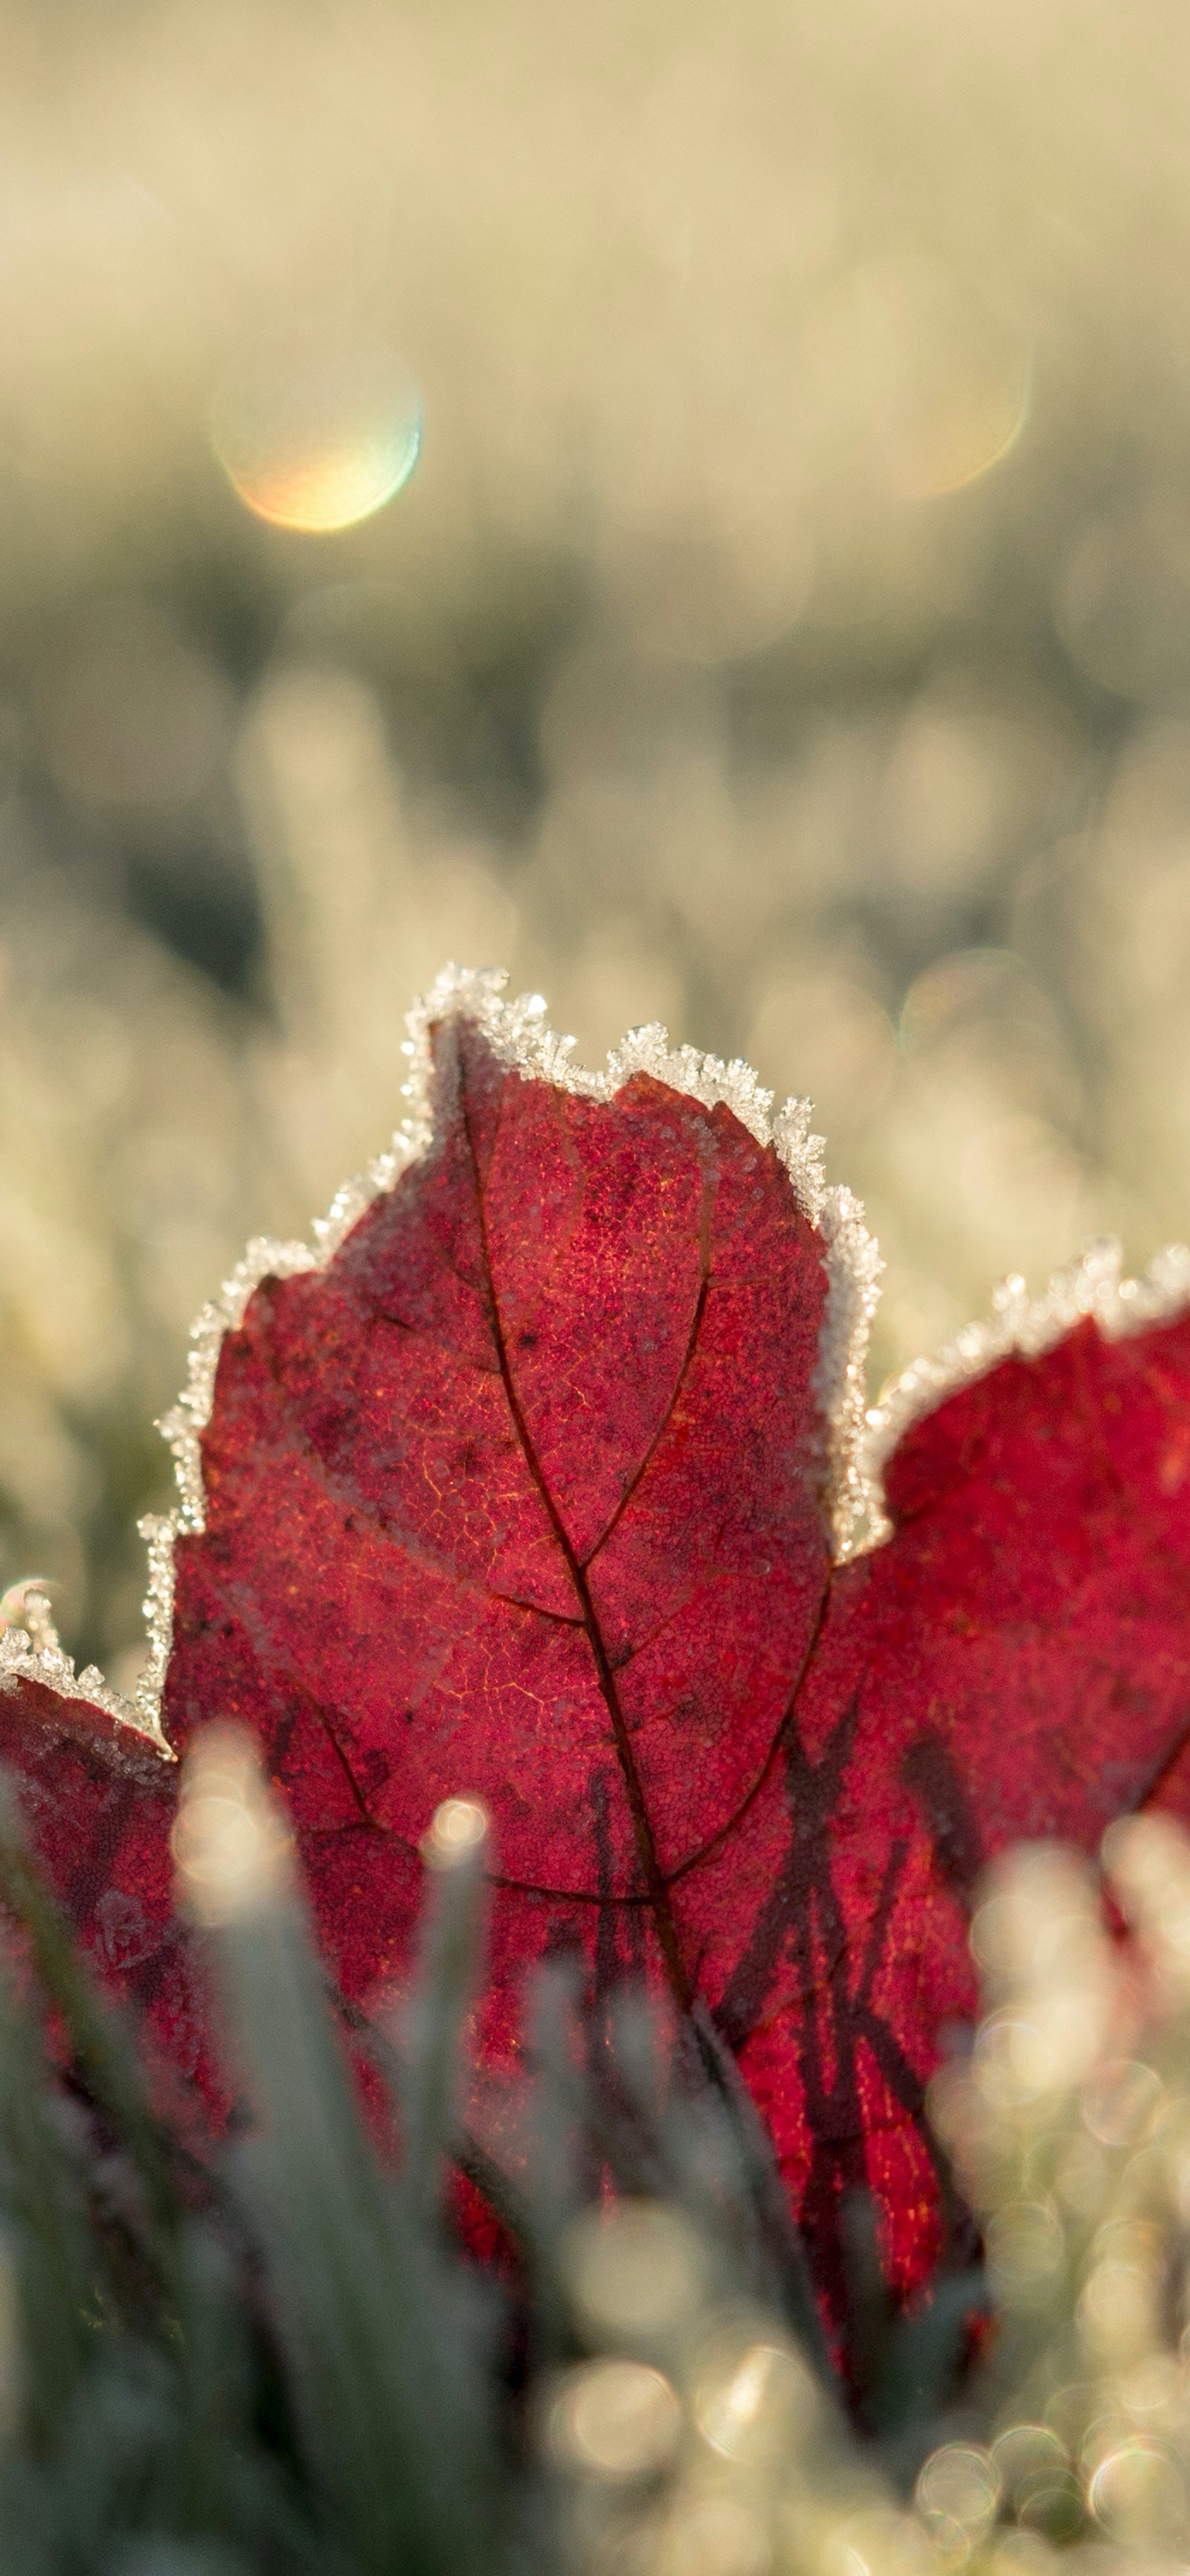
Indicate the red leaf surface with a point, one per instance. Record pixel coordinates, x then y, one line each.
544 1480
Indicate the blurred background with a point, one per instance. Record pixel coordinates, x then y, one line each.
691 504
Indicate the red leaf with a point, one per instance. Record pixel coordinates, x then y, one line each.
544 1480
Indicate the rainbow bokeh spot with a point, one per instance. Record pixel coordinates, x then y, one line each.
318 442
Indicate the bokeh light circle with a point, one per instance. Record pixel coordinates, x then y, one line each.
316 440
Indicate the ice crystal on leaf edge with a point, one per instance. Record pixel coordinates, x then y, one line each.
856 1440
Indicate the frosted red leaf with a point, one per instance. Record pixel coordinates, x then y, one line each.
543 1478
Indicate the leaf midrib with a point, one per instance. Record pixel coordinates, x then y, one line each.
655 1881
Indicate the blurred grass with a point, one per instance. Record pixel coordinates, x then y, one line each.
276 2355
785 633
